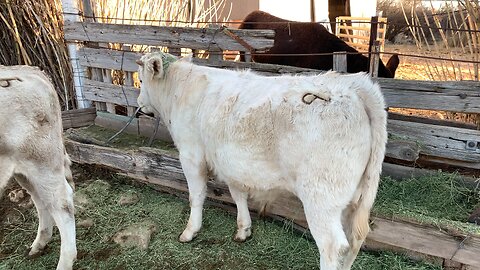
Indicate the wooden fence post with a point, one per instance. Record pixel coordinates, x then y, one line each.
373 36
96 73
215 54
128 76
374 59
340 61
72 14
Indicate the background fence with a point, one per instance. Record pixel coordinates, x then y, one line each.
111 84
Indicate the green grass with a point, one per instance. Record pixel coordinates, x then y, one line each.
274 245
440 200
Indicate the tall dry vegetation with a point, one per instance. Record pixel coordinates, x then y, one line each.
449 32
31 34
195 13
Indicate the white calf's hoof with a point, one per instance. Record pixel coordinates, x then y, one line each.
32 253
242 235
187 236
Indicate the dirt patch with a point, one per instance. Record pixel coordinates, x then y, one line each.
136 235
104 254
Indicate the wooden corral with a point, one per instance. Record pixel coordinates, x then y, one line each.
410 141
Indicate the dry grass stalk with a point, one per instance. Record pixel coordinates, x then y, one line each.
31 33
458 42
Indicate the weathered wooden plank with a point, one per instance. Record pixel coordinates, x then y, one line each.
402 150
430 241
173 37
107 92
163 168
78 118
340 61
439 141
143 126
461 96
430 121
445 96
111 59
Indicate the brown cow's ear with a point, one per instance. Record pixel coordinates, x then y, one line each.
392 64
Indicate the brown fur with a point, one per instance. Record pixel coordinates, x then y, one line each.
308 38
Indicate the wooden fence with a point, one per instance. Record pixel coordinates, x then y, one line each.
111 85
410 141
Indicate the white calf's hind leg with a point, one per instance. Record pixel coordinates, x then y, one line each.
324 221
6 172
45 222
196 174
244 222
62 211
53 198
45 227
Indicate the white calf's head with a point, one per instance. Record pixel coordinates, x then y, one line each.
151 71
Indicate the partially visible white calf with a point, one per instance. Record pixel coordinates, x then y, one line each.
32 151
321 138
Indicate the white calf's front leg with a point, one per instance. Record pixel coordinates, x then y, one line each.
244 222
196 173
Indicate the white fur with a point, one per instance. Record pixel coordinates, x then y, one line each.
320 137
32 151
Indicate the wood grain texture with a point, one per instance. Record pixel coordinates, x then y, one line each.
172 37
439 141
78 118
163 168
107 92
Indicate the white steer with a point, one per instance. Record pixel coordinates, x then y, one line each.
32 151
320 137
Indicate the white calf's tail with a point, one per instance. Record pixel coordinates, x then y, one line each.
365 194
68 172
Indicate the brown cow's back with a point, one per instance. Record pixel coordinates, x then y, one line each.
309 45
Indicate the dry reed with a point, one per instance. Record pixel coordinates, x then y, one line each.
449 32
31 33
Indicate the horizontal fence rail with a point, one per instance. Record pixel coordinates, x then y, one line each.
174 37
463 96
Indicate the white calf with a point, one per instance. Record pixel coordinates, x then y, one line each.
320 137
32 151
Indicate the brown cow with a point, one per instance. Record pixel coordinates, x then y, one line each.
308 38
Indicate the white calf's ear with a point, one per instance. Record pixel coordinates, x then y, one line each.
154 67
139 62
